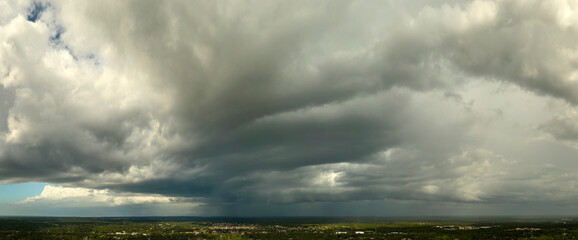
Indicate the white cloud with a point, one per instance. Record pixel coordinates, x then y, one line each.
85 196
60 200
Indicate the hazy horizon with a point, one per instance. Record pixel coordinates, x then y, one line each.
289 108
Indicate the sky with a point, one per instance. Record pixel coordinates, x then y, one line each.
288 108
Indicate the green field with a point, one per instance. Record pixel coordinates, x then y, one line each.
286 228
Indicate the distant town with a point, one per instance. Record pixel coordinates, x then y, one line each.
285 228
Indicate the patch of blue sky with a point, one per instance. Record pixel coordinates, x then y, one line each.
56 42
55 39
35 11
20 191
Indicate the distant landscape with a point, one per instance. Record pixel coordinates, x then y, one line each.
288 228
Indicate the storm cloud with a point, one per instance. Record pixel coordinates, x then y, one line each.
228 104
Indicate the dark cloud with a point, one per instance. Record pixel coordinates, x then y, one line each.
245 104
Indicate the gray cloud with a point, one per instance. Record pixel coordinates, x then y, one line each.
526 43
283 103
6 100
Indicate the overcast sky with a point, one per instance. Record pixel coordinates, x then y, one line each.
260 108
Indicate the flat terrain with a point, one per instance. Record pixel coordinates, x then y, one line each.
287 228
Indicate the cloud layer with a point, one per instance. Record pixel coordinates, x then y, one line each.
286 103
